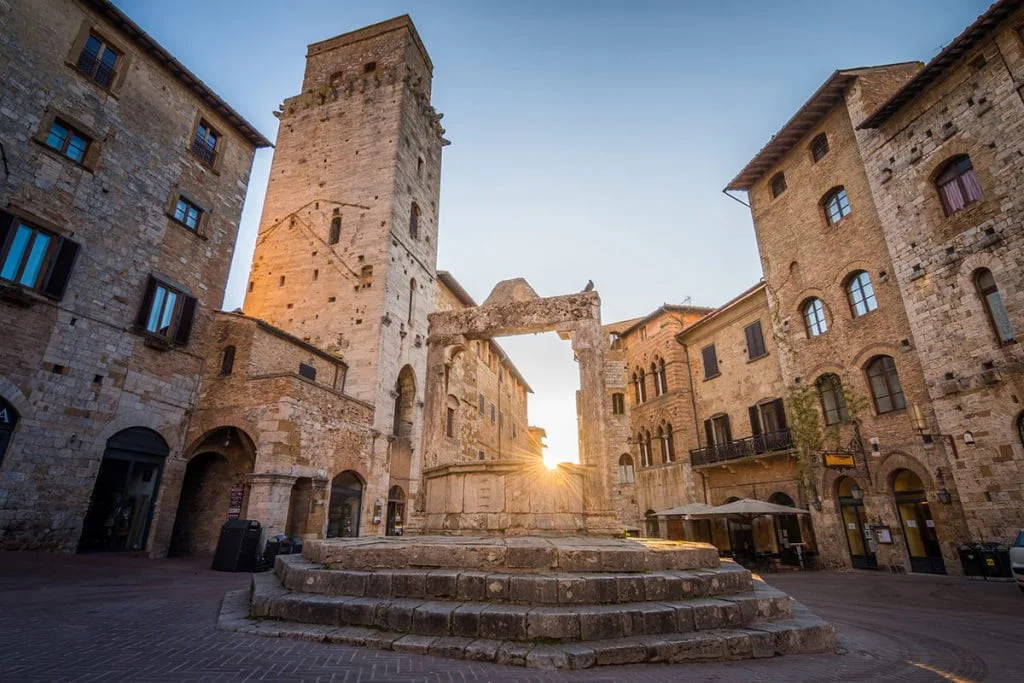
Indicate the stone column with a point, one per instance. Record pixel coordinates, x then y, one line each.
316 520
269 496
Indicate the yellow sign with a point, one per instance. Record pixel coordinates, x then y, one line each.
838 460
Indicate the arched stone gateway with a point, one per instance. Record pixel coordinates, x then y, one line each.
346 505
121 506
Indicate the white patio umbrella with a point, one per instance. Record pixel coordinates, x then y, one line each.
753 508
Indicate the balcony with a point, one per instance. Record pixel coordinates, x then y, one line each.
742 448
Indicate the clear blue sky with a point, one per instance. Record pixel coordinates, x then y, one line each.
591 140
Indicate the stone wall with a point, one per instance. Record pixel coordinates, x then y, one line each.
974 382
74 368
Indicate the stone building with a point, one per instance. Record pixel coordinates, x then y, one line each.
944 156
346 253
121 187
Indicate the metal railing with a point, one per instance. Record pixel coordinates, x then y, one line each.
741 448
91 66
204 150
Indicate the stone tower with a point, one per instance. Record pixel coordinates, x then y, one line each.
347 247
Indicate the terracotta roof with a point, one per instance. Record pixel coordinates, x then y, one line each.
143 40
806 117
721 309
465 299
939 64
664 308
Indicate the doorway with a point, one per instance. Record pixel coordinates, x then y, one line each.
299 503
346 503
121 505
918 524
787 531
396 512
855 523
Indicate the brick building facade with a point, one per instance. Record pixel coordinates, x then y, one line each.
120 193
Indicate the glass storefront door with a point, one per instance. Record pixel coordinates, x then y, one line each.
918 524
855 524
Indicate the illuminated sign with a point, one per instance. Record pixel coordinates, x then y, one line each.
835 459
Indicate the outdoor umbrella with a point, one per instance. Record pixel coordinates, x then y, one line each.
686 510
754 508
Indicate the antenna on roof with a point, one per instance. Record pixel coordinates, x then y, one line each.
687 300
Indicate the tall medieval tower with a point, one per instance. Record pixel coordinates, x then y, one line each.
347 248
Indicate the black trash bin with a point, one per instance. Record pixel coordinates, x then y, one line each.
996 559
970 560
238 547
276 545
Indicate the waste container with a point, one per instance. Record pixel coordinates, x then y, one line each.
996 561
971 562
238 546
280 545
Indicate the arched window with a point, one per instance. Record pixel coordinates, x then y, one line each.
819 147
670 444
641 379
993 303
885 385
650 524
860 294
451 412
662 375
957 184
412 298
227 360
833 403
778 184
395 523
636 387
405 394
662 445
335 235
646 452
626 473
414 221
813 311
837 205
655 379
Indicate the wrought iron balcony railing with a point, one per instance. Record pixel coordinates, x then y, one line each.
741 448
204 150
91 66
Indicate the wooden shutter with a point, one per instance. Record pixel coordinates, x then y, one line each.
147 299
755 420
709 432
728 428
60 270
710 361
780 411
188 314
755 340
6 220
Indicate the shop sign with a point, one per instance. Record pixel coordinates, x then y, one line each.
235 502
883 534
838 459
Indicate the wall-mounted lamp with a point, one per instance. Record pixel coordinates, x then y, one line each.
876 450
944 496
816 504
378 507
969 438
856 492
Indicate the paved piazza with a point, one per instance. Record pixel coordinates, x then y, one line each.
103 618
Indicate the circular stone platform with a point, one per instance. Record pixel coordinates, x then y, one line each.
519 553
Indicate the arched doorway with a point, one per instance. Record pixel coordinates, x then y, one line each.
788 536
405 397
346 502
650 524
121 505
396 512
214 490
918 525
8 421
851 510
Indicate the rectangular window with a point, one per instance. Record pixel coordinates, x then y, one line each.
98 61
717 430
755 340
70 142
35 258
493 413
483 404
618 404
166 313
187 213
204 145
449 423
307 371
710 361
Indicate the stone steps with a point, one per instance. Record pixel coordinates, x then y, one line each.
547 588
801 632
519 622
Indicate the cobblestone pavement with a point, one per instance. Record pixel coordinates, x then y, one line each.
121 618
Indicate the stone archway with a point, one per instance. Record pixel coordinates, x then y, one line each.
214 489
346 504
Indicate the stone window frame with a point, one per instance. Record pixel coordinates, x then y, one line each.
983 293
852 285
59 264
820 323
933 210
777 184
92 153
627 469
819 147
892 390
618 403
121 70
185 313
202 227
836 196
201 118
831 384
